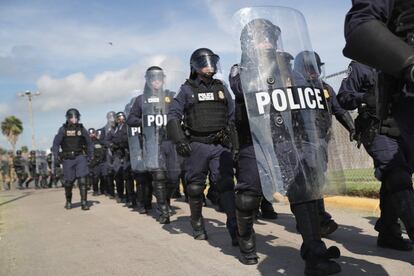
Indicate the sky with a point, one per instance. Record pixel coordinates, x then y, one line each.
92 55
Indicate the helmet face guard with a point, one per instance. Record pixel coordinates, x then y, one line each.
205 63
154 78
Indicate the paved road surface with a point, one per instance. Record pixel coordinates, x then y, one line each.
39 237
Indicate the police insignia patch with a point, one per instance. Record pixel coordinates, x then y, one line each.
221 95
79 133
167 99
326 93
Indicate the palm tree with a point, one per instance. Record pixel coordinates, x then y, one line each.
12 127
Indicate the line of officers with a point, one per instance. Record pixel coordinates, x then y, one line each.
36 167
202 133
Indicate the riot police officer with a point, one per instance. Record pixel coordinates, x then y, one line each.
119 146
56 173
205 109
95 165
380 34
358 91
19 165
33 173
303 64
77 149
149 112
280 138
106 133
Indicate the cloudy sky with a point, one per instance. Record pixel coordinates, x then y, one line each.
61 48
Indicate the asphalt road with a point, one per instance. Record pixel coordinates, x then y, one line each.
39 237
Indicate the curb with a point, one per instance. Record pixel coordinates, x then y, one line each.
358 203
345 202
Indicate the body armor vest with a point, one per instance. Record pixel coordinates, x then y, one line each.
209 112
73 140
99 151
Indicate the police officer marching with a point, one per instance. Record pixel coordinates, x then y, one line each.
77 149
206 110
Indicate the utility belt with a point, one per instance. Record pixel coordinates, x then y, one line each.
71 154
220 137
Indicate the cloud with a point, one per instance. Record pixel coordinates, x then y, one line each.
103 88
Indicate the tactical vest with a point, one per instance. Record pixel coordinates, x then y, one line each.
99 150
73 139
209 112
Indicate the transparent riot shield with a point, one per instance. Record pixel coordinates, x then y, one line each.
158 152
283 108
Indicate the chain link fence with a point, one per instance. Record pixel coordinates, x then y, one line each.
356 163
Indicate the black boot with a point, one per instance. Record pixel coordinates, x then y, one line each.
246 210
328 225
160 191
68 195
228 203
313 250
195 200
110 186
403 202
389 230
83 193
268 212
145 195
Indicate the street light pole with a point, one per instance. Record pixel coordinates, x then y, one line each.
30 96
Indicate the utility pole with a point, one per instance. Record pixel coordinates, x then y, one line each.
30 96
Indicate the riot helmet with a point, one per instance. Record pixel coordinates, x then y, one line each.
205 63
120 117
309 64
72 116
154 79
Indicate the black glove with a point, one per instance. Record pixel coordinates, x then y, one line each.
183 148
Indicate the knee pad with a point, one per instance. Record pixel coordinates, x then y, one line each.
247 201
82 181
195 189
398 180
159 176
68 184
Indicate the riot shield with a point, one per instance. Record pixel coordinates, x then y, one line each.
156 148
283 108
135 149
41 163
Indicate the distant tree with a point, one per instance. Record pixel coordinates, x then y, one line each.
24 149
12 127
3 151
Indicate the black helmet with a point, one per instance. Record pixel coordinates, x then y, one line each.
18 152
32 152
120 114
72 112
257 31
202 58
309 64
152 74
91 131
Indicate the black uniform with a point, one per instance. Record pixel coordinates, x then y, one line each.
206 108
381 34
34 175
19 165
77 149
